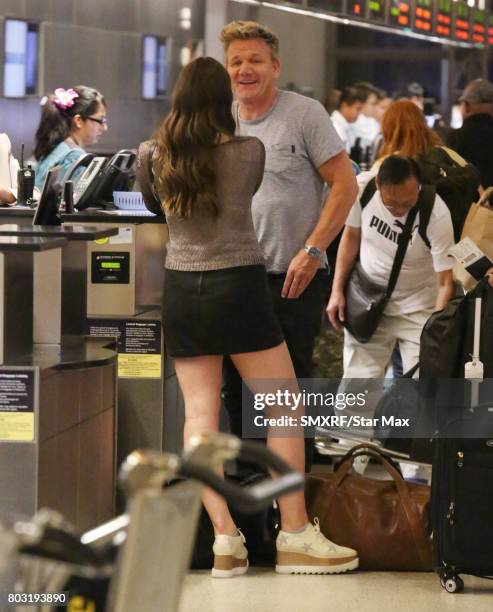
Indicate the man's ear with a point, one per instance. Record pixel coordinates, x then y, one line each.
277 67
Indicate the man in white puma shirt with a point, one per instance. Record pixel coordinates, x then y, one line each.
425 280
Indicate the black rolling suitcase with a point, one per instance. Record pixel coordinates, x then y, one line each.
462 480
462 510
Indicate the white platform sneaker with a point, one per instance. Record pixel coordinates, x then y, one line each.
310 552
230 556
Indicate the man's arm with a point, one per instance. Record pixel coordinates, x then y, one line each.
445 282
339 174
346 256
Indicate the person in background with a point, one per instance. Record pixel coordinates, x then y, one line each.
216 298
473 140
71 120
380 109
425 281
366 127
9 167
332 100
348 110
414 92
424 284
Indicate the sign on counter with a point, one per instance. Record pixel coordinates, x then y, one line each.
17 405
139 345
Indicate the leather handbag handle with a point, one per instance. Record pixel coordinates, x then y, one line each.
364 446
419 535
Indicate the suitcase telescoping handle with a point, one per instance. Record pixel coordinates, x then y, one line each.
253 498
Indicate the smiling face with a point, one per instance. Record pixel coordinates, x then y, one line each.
253 72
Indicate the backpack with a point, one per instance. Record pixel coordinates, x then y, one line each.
456 184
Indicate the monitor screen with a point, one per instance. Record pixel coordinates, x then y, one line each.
47 211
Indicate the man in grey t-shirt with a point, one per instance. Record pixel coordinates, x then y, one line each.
303 151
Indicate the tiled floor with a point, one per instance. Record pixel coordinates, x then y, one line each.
261 590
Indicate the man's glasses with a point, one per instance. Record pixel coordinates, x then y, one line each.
102 121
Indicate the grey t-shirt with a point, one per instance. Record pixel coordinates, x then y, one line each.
299 137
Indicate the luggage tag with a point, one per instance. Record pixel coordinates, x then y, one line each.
469 255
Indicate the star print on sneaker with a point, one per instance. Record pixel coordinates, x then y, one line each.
310 552
230 556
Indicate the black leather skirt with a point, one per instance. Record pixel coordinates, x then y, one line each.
218 312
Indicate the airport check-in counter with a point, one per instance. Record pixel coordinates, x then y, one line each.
58 400
125 277
124 299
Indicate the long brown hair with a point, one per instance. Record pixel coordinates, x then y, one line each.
404 131
200 114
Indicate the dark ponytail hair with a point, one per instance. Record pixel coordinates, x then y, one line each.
56 122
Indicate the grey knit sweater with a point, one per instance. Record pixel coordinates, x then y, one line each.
203 242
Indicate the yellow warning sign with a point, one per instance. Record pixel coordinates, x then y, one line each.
137 365
16 426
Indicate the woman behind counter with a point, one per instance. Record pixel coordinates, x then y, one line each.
217 301
71 120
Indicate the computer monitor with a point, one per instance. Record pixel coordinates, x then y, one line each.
47 211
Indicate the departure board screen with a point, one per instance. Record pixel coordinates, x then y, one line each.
331 6
376 10
357 8
423 16
400 13
478 26
462 25
443 25
490 30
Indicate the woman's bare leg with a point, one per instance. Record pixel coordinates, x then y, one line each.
275 363
200 382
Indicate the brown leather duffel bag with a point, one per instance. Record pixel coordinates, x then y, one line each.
386 521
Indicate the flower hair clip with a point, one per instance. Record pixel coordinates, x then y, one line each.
64 98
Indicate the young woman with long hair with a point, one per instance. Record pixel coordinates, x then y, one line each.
216 298
71 120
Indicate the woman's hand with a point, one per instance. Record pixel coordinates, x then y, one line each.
489 274
335 309
6 196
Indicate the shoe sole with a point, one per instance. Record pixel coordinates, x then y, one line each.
339 568
230 572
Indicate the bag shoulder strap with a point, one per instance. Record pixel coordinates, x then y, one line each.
402 244
427 201
368 192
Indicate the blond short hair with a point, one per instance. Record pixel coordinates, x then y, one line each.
249 30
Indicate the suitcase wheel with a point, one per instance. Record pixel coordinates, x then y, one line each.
452 583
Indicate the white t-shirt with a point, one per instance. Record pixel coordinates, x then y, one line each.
366 128
416 287
343 129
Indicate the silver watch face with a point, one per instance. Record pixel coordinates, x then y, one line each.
312 251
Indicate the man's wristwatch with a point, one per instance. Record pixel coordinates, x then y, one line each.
312 251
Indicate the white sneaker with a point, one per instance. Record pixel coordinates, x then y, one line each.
230 556
310 552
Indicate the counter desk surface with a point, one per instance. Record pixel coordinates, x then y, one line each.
71 232
12 243
89 215
73 352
